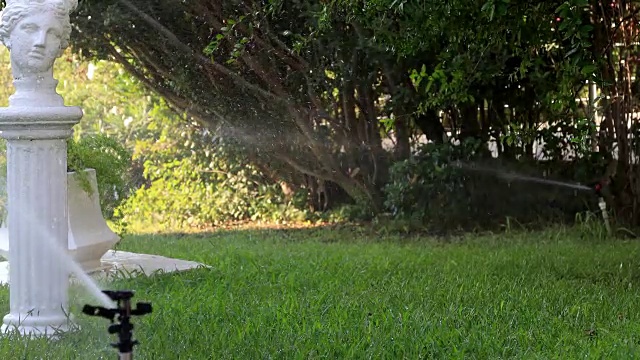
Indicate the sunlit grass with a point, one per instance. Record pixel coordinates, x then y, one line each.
348 293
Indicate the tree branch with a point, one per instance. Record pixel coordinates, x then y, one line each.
201 58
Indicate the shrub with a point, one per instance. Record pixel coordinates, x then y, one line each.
429 187
194 178
111 161
182 195
451 187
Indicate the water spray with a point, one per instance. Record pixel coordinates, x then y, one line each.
511 176
598 187
124 327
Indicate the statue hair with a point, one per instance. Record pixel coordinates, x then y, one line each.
16 11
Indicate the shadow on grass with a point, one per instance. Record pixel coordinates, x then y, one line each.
198 246
324 233
394 231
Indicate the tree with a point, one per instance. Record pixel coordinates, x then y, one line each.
302 92
310 89
615 51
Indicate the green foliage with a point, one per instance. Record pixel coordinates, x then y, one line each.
430 187
565 138
358 212
193 178
111 99
451 187
116 111
499 70
112 163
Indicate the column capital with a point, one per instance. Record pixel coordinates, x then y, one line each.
30 123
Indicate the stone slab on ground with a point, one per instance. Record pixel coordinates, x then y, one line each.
125 263
128 262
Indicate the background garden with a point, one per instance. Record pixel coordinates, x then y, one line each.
202 114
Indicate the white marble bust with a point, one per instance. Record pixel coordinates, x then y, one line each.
36 32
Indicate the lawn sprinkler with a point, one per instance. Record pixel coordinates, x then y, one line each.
600 188
124 327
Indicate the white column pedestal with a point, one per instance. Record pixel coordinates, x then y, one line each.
38 218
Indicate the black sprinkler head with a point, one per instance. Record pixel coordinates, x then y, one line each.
122 314
119 294
601 187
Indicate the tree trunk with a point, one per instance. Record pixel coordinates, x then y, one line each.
403 147
469 125
431 126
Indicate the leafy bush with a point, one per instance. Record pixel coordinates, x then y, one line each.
195 178
107 156
451 187
111 161
429 187
357 212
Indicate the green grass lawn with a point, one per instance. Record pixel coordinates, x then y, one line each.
348 293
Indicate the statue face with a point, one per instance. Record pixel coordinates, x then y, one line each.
35 43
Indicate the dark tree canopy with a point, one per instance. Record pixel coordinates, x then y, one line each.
334 92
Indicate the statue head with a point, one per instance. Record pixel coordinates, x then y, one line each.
36 32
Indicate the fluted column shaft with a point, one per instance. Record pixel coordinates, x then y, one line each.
37 191
38 217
